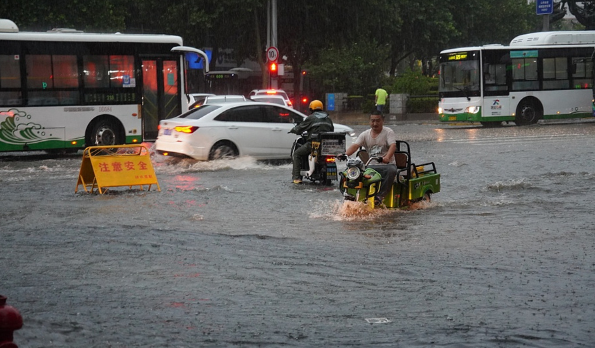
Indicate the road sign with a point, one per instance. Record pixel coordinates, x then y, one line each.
544 7
272 54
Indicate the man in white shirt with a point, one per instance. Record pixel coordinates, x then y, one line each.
379 141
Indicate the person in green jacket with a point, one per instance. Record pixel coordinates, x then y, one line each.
318 122
380 99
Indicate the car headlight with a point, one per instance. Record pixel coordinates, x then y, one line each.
472 109
353 173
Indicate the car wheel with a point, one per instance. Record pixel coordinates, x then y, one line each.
223 150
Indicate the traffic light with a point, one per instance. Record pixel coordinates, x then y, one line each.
273 70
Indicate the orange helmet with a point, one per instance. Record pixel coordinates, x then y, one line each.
316 105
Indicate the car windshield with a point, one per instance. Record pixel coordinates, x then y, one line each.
196 113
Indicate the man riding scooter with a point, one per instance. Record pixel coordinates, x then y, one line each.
318 122
380 142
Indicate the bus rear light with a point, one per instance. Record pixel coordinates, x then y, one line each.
330 159
186 129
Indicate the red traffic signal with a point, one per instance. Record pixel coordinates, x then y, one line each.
273 69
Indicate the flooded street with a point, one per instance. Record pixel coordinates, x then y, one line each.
232 254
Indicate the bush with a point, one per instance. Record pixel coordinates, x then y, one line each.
412 83
422 105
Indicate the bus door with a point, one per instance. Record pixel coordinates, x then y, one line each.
161 93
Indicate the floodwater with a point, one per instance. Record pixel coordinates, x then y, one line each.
232 254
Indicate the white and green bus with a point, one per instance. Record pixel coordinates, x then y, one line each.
65 90
547 75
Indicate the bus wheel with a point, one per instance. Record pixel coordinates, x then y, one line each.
223 150
527 113
105 133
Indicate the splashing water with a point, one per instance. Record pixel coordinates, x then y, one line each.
350 211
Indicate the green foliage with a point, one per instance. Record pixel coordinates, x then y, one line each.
87 15
354 69
347 45
412 82
422 104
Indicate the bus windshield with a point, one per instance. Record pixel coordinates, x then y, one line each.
459 74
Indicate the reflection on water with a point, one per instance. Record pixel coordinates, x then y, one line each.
186 182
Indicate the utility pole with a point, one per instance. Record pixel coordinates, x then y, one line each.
272 34
546 22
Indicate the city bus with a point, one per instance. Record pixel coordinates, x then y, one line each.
63 90
547 75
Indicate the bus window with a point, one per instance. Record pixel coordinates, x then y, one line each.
39 71
121 71
524 74
96 71
582 73
45 73
10 77
555 73
65 72
10 72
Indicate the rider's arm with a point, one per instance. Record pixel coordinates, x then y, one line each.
390 153
302 126
351 149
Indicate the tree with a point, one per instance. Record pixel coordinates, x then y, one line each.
86 15
353 69
422 29
584 11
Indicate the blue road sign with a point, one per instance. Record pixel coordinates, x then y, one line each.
330 102
544 7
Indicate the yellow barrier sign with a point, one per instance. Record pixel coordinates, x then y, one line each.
114 166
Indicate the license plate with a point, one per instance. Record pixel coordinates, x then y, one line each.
452 118
167 131
331 173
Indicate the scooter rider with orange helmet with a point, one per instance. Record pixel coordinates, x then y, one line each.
318 122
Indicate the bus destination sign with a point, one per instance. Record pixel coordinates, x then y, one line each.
458 56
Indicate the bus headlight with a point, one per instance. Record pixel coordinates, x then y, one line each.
472 109
440 110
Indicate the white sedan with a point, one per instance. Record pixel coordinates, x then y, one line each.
214 131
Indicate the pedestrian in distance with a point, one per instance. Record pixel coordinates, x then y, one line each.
380 99
379 141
